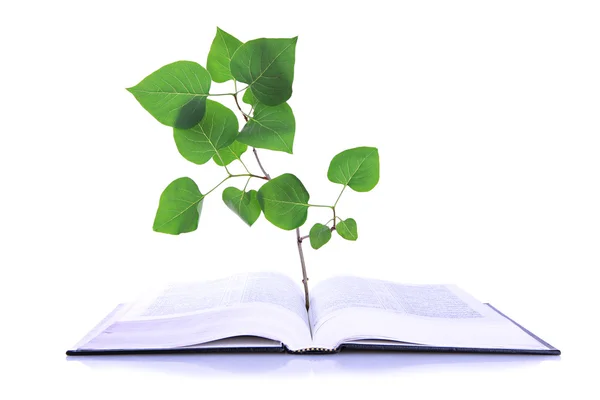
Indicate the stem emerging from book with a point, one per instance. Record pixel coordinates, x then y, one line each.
304 277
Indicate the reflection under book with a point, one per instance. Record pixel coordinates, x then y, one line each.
258 312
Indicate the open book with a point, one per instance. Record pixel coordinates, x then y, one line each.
266 312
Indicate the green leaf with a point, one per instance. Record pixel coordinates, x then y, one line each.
216 131
347 229
179 207
267 65
219 56
357 168
175 94
227 155
249 98
319 235
284 200
244 204
270 128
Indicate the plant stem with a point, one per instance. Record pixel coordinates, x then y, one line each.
240 108
304 277
259 163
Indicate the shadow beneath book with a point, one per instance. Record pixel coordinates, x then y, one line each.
288 364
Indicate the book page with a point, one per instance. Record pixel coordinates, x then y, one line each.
267 305
436 301
189 298
352 308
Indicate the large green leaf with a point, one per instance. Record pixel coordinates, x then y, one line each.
357 168
227 155
244 204
270 128
217 130
175 94
347 229
319 235
284 200
249 98
219 56
179 207
267 65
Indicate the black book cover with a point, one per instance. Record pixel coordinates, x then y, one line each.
344 347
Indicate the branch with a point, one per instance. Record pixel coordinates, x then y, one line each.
259 163
240 108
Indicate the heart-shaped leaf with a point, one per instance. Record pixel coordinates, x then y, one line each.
219 56
175 94
227 155
270 128
179 207
347 229
244 204
249 97
284 200
319 235
216 131
267 66
357 168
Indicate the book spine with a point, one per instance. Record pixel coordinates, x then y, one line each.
313 350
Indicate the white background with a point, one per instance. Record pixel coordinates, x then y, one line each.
486 118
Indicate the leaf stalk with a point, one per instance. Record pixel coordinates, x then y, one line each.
234 176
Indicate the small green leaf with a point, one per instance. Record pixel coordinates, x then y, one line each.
270 128
179 207
244 204
347 229
249 97
267 65
284 200
319 235
215 132
230 153
175 94
219 56
357 168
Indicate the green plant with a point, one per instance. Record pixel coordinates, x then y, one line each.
177 96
